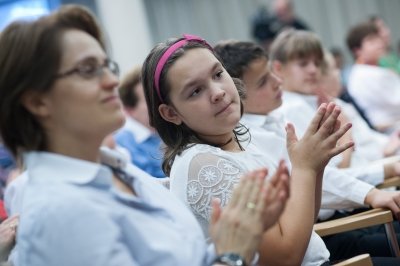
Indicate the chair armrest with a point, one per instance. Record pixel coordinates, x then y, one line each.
357 221
390 182
360 260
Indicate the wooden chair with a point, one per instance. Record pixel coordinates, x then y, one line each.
360 260
361 220
390 182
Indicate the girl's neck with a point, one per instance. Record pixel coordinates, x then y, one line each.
232 145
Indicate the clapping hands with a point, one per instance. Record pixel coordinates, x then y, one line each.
255 206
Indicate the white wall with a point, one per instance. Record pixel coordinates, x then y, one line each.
134 26
129 35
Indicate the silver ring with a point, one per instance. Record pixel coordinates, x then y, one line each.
250 205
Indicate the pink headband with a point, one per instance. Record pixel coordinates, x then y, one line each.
167 54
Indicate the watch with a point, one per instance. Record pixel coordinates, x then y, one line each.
230 259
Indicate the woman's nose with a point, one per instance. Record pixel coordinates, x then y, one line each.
109 79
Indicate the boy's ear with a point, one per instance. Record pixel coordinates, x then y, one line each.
35 103
169 114
277 68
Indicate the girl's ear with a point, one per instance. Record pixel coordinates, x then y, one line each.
277 68
169 114
35 103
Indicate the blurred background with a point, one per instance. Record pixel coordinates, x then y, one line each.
134 26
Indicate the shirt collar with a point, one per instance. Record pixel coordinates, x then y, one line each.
260 120
253 119
49 166
140 132
309 99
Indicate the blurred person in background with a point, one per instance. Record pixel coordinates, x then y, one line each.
137 136
267 24
390 60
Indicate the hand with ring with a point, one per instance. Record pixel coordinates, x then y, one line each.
7 236
239 227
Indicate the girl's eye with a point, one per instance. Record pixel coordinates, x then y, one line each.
195 92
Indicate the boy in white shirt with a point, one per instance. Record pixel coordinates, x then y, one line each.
374 88
249 62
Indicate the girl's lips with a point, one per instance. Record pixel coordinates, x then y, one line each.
223 109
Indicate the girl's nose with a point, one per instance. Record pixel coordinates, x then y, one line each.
217 94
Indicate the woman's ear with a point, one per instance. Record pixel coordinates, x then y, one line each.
35 103
169 114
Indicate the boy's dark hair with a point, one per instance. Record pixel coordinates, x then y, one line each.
30 58
238 55
127 91
294 44
177 138
358 33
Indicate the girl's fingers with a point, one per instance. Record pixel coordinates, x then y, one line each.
329 109
341 148
281 168
316 121
328 126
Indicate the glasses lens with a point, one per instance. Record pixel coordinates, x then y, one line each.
113 67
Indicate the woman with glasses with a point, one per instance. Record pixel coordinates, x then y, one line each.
58 101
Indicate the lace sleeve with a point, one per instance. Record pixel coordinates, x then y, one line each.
210 176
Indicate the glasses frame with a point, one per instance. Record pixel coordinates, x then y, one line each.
111 65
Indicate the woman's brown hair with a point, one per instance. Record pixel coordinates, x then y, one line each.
30 57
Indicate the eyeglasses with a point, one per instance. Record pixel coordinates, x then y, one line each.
89 70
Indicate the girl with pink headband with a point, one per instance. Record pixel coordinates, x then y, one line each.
195 106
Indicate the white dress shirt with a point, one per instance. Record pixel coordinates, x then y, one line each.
299 109
377 91
339 190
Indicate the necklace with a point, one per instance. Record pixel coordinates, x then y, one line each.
226 143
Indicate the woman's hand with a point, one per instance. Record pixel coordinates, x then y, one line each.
255 206
320 142
8 230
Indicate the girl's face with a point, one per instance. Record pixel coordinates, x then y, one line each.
78 106
263 88
300 75
203 96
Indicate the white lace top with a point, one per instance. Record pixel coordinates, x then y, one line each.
203 172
